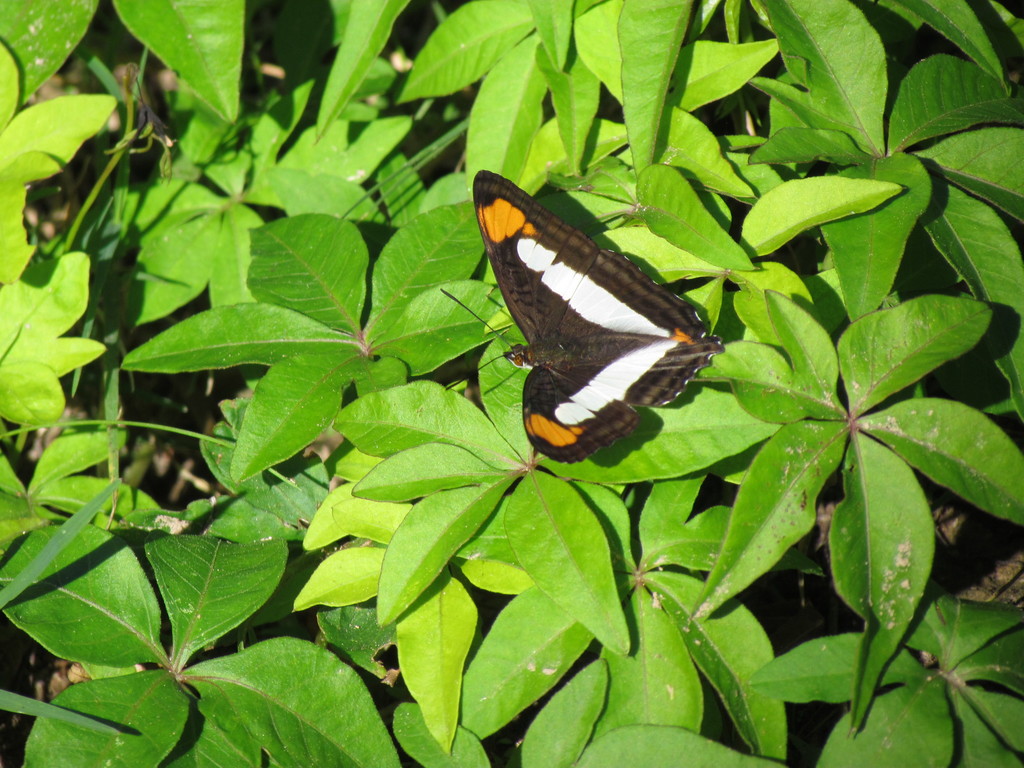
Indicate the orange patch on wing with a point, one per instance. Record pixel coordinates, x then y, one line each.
551 431
500 220
682 337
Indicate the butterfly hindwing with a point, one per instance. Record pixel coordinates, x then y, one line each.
602 335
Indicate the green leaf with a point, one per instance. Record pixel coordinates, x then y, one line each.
810 350
561 544
887 351
423 470
506 113
314 264
149 707
944 94
75 450
367 29
830 48
882 541
231 266
40 40
574 94
30 393
15 250
527 650
774 507
93 602
346 151
668 537
295 401
671 208
255 691
433 643
51 130
465 46
657 684
910 725
956 631
650 35
764 384
562 729
426 539
698 430
983 162
437 247
957 447
384 423
227 336
209 587
694 148
960 25
867 250
662 745
596 35
708 70
346 577
64 536
554 28
982 249
796 144
411 731
341 514
728 648
434 329
203 43
785 211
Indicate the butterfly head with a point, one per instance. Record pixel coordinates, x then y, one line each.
520 356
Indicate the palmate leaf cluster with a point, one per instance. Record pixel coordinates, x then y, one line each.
836 185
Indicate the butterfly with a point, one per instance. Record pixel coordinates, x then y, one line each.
601 335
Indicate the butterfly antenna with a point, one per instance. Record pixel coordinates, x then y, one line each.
486 325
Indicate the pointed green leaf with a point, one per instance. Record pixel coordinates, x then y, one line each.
341 514
105 613
889 350
150 709
694 148
771 516
657 684
831 49
255 690
562 729
203 43
423 470
709 70
796 144
314 264
209 586
867 250
671 208
426 539
465 46
527 650
944 94
976 241
785 211
960 24
346 577
561 544
650 35
292 404
597 42
433 642
957 447
226 336
574 94
663 745
882 541
415 738
368 27
985 163
506 113
728 648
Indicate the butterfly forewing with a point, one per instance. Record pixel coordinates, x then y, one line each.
602 335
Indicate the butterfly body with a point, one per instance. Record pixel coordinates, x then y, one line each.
601 335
